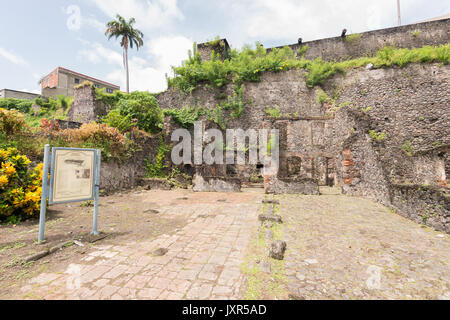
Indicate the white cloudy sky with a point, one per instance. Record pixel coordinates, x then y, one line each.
38 36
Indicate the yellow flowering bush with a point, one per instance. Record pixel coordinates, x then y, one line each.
20 186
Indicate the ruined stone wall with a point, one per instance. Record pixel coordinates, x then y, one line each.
331 142
84 107
387 127
423 204
127 174
367 43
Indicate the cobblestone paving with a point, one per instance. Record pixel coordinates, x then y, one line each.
202 261
338 247
342 247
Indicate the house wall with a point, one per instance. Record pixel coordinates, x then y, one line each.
6 93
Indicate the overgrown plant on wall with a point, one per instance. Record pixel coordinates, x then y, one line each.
248 65
155 168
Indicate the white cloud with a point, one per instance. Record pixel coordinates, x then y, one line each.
163 52
148 14
11 57
94 23
290 19
98 54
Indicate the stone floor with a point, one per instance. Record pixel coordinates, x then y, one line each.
202 261
352 248
338 247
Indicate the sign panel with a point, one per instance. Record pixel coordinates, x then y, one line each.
72 175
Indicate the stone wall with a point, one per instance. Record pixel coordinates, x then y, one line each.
331 143
387 126
215 184
116 176
423 204
367 43
84 107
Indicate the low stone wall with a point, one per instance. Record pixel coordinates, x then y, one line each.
115 176
291 186
423 204
66 124
216 184
154 183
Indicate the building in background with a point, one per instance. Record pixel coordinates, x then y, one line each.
61 81
8 93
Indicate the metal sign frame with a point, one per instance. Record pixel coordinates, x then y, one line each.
48 185
53 173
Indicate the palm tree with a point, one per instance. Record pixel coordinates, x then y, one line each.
130 36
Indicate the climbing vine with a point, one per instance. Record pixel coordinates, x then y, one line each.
156 170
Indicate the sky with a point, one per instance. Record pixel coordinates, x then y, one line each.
38 36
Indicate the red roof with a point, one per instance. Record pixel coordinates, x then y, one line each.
85 76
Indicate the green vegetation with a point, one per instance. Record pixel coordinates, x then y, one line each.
185 116
367 109
351 38
156 170
407 147
273 112
342 105
302 51
220 114
248 65
48 108
129 110
21 105
416 33
437 144
323 97
377 136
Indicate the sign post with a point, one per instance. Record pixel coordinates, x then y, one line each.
44 193
96 191
74 176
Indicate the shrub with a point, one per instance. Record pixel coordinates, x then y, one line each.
185 116
21 105
113 144
46 105
12 122
64 102
248 64
20 187
140 109
115 119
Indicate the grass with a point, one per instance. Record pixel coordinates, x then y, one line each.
16 245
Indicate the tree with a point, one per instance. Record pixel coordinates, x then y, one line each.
130 37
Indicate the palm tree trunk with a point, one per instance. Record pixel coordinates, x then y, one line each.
126 68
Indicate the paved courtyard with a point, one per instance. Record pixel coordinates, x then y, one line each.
338 247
